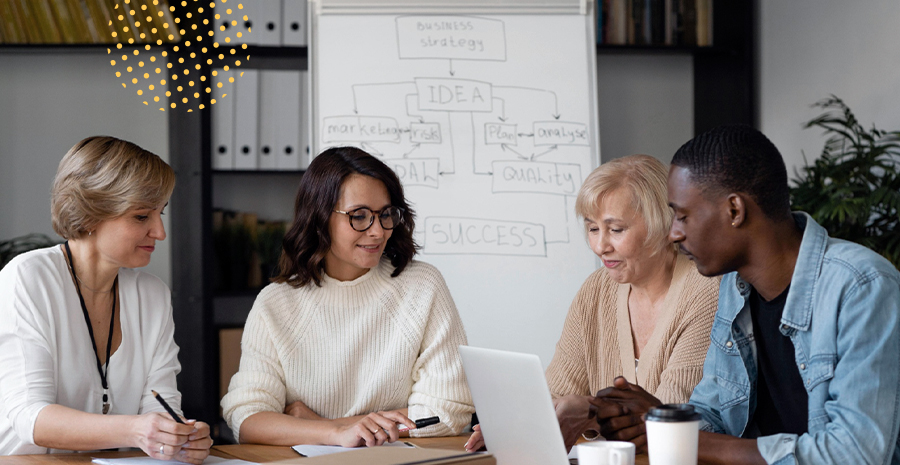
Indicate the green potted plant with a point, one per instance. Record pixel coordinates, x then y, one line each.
853 188
18 245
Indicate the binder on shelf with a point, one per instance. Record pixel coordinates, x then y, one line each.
247 27
269 114
305 102
223 121
293 27
280 117
246 119
268 25
222 23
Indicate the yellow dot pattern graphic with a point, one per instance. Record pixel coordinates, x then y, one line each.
206 57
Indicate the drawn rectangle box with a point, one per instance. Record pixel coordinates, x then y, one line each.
499 133
535 177
425 133
354 128
453 37
560 133
448 235
446 94
416 171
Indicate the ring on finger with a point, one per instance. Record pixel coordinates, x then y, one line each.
162 449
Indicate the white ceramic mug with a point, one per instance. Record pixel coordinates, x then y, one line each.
606 453
673 433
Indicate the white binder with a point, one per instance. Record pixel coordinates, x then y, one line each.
269 116
224 20
287 119
246 119
268 27
293 27
248 27
222 121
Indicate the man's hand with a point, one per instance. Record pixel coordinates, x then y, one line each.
577 414
630 425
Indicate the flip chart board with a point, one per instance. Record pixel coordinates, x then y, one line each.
487 111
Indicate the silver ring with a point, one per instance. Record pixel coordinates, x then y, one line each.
162 448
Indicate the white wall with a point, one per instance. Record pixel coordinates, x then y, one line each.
810 49
48 102
646 104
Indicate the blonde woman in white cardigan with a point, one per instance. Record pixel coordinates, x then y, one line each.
84 336
354 338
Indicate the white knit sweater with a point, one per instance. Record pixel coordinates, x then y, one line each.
355 347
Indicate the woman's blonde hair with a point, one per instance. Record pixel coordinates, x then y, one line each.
102 178
644 178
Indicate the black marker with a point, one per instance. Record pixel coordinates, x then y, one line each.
421 423
169 409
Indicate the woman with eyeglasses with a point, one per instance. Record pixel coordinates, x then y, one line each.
354 338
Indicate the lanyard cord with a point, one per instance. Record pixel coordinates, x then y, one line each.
87 320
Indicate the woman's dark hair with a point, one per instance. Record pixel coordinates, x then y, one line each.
308 240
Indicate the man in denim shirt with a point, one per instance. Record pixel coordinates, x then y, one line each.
804 361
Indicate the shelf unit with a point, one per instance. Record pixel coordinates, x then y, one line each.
724 92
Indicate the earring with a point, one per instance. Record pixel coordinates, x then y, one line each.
732 224
92 232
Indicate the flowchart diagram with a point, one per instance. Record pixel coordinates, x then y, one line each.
482 129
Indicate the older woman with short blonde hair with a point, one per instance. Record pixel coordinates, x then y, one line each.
85 337
645 315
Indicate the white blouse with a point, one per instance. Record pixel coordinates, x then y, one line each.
46 355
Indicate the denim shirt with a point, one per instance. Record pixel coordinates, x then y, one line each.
843 316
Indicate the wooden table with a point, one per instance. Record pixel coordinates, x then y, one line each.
249 452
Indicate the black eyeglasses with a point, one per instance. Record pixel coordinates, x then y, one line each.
361 219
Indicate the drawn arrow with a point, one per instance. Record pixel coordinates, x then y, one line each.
525 134
506 147
371 150
452 73
415 146
533 156
502 109
408 113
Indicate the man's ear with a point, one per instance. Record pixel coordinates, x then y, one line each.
737 209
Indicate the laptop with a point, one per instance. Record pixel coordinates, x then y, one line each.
514 407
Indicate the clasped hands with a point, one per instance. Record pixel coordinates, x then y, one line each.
616 413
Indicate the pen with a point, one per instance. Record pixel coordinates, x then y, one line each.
421 423
168 409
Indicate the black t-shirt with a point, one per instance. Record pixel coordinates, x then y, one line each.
782 403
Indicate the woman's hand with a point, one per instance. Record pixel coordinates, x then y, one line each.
197 448
161 437
371 430
300 410
476 440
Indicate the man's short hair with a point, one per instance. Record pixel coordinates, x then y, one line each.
738 158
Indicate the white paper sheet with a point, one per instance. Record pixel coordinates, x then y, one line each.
151 461
315 451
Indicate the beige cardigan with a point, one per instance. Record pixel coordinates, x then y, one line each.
596 345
